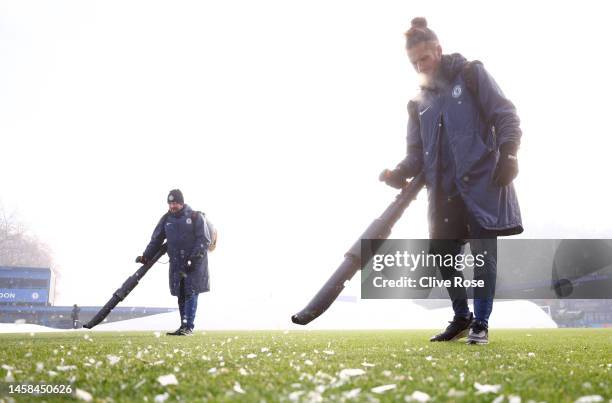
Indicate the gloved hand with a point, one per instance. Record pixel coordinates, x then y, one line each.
396 178
507 165
142 259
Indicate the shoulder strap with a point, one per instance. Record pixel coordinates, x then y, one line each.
471 82
469 76
207 227
194 216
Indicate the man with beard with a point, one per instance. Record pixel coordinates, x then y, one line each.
188 239
463 135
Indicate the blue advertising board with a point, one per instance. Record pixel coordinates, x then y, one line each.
20 295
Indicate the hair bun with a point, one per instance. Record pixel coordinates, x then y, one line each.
419 22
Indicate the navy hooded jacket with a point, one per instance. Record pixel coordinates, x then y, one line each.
471 125
188 239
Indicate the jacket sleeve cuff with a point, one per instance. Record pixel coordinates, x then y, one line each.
509 148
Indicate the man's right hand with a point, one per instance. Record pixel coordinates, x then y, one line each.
394 178
142 259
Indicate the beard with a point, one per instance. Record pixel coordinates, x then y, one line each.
433 81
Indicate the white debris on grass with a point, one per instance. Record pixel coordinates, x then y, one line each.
308 362
498 399
161 398
531 355
238 389
383 388
351 394
295 396
213 370
349 372
455 393
367 364
243 372
329 352
165 380
9 377
265 349
7 367
429 358
314 397
157 334
418 396
514 399
39 366
306 376
251 355
139 384
486 388
590 399
52 373
112 359
64 368
83 395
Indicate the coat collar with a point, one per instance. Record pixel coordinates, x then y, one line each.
185 211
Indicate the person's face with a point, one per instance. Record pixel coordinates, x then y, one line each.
174 207
425 58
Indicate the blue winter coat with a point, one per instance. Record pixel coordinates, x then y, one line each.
187 239
476 124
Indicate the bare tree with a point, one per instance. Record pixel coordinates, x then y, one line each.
19 247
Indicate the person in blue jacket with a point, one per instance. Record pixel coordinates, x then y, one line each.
463 136
188 241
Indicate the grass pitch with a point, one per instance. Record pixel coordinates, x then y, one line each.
538 365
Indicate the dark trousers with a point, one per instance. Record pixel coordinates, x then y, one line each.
188 305
451 233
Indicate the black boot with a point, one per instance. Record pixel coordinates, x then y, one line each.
177 332
479 333
186 331
457 329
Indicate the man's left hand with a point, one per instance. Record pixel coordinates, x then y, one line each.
507 166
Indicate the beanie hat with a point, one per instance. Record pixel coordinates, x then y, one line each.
419 32
176 196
